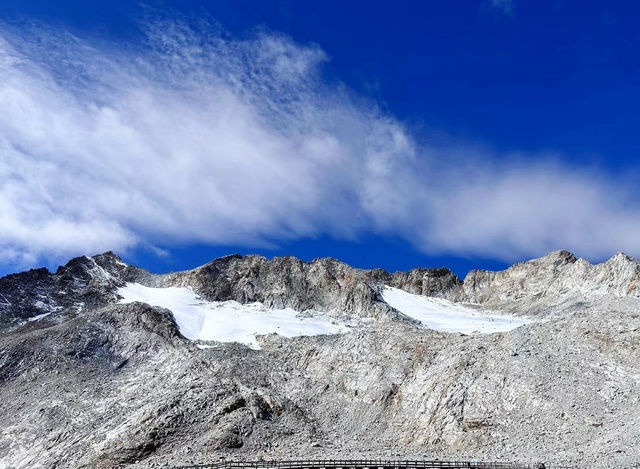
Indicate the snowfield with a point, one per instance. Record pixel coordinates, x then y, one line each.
227 321
445 316
230 321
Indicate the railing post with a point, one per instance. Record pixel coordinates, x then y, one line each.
366 464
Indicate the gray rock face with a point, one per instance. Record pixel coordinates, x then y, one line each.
546 282
83 283
324 284
428 282
110 384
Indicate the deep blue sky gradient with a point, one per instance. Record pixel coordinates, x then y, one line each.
552 76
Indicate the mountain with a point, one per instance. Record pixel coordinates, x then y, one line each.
105 364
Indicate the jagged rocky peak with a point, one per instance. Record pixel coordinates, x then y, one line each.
110 261
420 281
83 282
556 275
323 284
622 260
102 268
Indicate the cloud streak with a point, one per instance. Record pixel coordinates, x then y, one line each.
197 137
503 6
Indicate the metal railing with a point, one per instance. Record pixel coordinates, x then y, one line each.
362 464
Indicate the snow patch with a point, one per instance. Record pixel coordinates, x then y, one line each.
4 302
38 317
102 273
227 321
49 308
445 316
205 346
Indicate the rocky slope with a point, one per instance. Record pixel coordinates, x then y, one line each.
551 280
95 383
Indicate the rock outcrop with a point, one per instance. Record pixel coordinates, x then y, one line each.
543 283
324 284
428 282
83 283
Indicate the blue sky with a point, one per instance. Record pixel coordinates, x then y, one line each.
466 134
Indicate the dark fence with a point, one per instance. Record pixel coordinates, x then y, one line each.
364 464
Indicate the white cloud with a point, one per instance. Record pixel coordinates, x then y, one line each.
197 137
503 6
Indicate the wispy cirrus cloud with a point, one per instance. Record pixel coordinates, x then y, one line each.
505 7
197 137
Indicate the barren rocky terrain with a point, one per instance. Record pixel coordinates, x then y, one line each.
89 381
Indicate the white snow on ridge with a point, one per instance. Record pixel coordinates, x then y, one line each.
445 316
38 317
226 321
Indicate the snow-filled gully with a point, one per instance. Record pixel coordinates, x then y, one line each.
445 316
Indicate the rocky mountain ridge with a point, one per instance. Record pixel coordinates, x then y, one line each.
323 284
83 283
97 383
557 275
